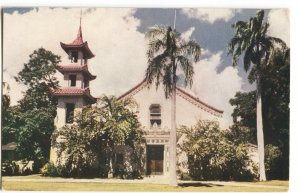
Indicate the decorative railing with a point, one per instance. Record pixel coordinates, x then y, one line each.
156 131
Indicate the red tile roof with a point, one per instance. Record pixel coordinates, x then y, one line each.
74 92
79 39
131 90
71 67
83 47
76 68
69 91
79 44
197 100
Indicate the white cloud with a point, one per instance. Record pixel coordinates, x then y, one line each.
279 24
186 36
211 87
15 89
112 35
209 15
216 89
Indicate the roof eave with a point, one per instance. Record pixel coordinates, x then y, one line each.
83 46
213 110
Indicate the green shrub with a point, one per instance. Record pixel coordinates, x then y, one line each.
27 171
10 168
273 161
185 176
212 156
50 169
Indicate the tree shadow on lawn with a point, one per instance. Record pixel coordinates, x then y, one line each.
197 184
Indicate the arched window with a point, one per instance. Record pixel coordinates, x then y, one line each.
155 116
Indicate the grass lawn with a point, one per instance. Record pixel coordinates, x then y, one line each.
271 183
34 176
62 186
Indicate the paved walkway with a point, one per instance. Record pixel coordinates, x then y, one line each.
243 184
146 180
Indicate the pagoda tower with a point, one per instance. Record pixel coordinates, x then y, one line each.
74 92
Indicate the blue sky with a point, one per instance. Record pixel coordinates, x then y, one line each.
116 36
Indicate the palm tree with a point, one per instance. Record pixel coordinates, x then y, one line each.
251 39
167 51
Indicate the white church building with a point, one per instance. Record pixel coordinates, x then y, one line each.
155 118
154 109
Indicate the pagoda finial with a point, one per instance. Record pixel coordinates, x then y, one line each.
79 31
80 17
79 39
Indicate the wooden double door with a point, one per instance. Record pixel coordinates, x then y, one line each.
155 159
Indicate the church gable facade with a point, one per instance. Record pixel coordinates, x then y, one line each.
155 118
188 108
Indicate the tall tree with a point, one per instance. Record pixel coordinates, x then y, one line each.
275 105
38 107
251 39
275 98
8 117
166 53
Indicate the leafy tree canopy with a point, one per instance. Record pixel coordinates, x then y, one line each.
95 134
34 116
275 97
40 69
39 76
9 117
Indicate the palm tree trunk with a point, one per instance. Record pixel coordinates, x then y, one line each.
260 132
173 141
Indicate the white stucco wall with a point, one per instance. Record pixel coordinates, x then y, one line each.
60 119
186 113
66 82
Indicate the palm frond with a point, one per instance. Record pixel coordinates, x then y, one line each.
267 50
190 48
278 41
166 49
264 29
156 31
235 41
236 54
155 46
260 16
247 59
239 26
187 68
251 76
155 68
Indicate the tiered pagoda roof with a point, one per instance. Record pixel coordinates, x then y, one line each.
78 43
85 92
76 68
